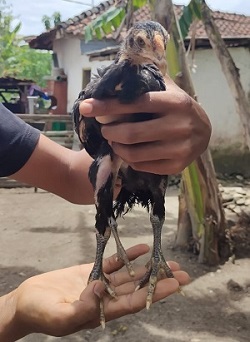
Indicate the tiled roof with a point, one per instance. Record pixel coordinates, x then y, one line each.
230 25
76 25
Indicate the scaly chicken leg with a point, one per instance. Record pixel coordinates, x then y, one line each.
157 265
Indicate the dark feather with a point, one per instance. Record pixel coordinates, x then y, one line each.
133 80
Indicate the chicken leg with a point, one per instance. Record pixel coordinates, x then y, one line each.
157 265
102 174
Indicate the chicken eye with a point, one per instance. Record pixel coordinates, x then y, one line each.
140 42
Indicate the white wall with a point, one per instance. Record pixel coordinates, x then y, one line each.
73 62
209 80
215 96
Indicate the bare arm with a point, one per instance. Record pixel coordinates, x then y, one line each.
58 170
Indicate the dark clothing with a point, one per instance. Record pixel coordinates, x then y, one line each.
17 142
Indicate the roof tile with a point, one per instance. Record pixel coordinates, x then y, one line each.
230 25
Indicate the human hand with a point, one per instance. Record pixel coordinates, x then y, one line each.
178 134
55 303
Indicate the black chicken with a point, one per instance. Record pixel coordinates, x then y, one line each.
138 68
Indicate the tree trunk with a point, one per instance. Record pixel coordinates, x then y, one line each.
229 69
207 231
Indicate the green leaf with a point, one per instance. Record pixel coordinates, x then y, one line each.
98 22
196 8
107 28
172 59
88 33
105 23
98 33
187 13
190 13
113 12
139 3
17 28
116 21
194 194
184 27
185 20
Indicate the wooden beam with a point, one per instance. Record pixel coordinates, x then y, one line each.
45 117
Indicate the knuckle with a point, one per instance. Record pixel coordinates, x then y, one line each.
138 166
177 167
130 155
122 134
126 153
181 154
141 102
105 107
185 100
128 135
189 126
185 152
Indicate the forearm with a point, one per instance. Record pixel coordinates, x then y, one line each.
58 170
9 330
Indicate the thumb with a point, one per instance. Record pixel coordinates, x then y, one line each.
87 308
93 292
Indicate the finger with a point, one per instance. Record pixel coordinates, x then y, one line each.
120 278
134 132
136 301
111 264
174 266
129 287
157 150
168 129
162 167
152 102
182 277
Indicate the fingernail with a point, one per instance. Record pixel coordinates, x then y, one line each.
86 107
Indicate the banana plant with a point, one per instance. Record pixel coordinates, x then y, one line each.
200 193
114 18
200 208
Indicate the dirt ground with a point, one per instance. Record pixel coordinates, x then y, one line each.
41 232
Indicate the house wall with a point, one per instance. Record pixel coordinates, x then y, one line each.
230 155
73 62
215 96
